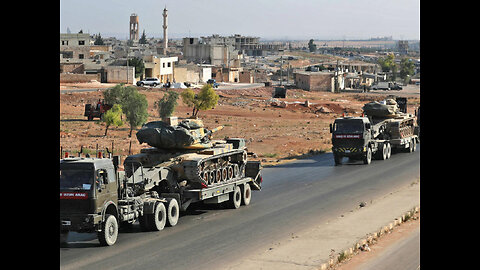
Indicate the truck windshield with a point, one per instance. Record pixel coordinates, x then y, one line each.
76 177
348 126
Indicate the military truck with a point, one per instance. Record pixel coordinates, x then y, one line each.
382 128
156 184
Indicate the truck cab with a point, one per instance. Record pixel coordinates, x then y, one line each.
88 192
350 137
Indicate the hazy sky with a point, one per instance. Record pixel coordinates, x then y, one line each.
291 19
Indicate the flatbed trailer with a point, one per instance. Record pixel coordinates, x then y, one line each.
96 197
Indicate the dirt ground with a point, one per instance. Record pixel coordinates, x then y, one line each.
277 130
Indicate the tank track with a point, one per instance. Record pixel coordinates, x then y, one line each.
216 169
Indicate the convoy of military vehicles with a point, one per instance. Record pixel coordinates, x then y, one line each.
184 165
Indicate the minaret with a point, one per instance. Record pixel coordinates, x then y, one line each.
165 35
133 27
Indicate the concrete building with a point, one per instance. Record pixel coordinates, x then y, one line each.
162 68
192 73
319 80
75 46
209 51
221 51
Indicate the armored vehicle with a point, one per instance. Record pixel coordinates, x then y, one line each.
383 127
183 166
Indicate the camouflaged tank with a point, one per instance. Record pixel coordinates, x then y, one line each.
186 148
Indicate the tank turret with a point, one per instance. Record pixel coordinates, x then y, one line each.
187 134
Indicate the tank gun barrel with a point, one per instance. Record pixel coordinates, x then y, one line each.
210 132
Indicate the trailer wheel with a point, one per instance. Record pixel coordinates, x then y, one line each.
235 198
173 212
412 146
157 220
367 158
389 150
247 194
109 233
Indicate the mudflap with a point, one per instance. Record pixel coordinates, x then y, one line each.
253 170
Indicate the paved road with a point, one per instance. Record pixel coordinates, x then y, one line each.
295 196
403 255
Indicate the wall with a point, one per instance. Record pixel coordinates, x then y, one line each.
118 74
74 78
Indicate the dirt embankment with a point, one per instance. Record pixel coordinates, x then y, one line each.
275 129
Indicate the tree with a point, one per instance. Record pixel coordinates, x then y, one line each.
113 117
166 106
407 68
206 99
143 39
387 63
138 64
135 108
118 94
98 40
311 46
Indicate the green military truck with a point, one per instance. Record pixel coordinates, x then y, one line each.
156 184
383 127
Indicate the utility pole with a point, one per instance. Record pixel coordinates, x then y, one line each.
281 69
127 64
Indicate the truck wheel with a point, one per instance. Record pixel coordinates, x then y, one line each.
173 212
157 220
389 150
247 194
367 158
235 198
338 159
109 233
382 153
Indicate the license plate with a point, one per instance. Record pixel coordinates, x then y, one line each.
66 222
347 151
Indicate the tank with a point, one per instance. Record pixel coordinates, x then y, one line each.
187 149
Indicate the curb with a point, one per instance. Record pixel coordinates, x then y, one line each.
340 257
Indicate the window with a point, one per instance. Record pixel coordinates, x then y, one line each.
64 42
169 64
81 56
163 64
81 42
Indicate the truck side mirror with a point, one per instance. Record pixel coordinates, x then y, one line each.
331 128
368 126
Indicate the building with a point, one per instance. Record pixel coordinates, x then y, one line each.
402 46
75 46
210 50
319 80
162 68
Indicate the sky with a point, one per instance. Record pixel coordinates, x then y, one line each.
267 19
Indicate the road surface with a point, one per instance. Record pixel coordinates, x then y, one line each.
295 196
402 255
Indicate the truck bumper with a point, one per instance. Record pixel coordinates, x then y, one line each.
349 151
80 223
